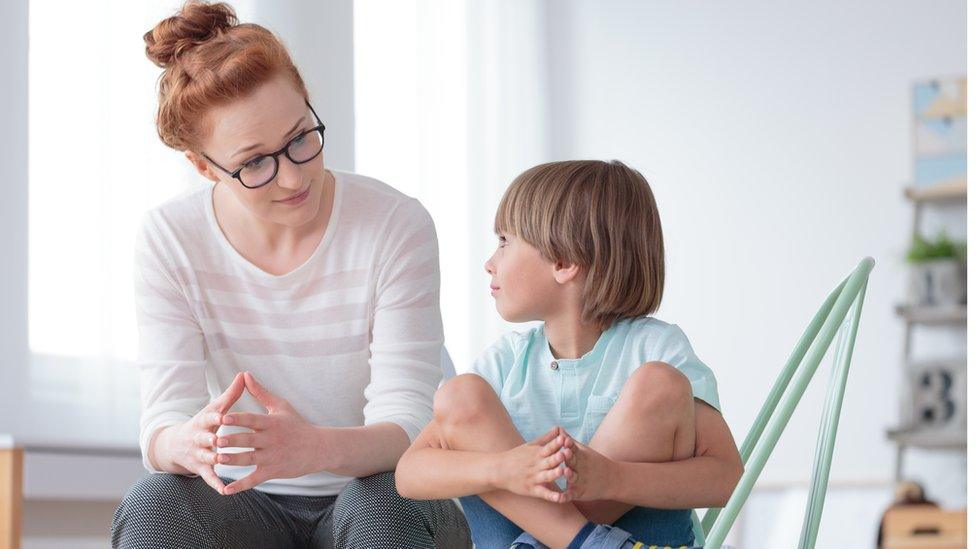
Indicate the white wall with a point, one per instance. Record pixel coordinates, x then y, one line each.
13 205
777 139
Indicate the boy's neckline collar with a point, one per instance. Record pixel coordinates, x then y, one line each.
583 360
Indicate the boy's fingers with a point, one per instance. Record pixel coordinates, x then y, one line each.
553 460
547 494
551 447
549 475
547 436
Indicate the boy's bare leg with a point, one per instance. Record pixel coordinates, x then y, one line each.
652 421
469 416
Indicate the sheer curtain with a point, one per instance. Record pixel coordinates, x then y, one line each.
450 106
96 165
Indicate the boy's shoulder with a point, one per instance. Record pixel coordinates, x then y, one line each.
500 356
513 342
646 330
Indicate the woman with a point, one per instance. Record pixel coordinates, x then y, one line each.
288 313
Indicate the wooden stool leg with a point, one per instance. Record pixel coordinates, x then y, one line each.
11 496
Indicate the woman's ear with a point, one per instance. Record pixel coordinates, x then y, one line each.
564 272
202 166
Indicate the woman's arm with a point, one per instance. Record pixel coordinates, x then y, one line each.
406 332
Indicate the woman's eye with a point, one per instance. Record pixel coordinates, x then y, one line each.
254 163
298 140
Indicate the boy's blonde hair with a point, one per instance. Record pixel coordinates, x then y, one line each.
601 216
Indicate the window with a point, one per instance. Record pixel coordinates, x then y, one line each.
95 165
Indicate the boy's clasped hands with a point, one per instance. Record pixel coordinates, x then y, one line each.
533 468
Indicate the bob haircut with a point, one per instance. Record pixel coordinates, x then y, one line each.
601 216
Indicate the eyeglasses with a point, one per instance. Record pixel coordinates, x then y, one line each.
261 170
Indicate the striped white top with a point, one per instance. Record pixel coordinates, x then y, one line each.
351 337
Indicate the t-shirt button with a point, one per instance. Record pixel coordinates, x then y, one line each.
554 365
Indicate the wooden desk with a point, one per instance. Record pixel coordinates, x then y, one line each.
48 469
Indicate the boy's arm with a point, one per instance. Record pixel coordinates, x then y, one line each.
706 480
427 470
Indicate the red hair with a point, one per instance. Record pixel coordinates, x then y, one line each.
210 60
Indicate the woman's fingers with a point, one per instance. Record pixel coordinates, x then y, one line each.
239 440
205 439
238 458
243 419
206 456
265 397
211 478
230 395
208 419
246 483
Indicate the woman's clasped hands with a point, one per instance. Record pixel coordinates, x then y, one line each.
276 443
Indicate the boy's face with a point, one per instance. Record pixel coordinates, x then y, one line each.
522 281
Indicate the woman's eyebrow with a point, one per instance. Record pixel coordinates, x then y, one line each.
256 145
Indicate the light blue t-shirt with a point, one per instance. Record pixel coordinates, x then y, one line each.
540 391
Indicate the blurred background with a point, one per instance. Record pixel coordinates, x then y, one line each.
783 142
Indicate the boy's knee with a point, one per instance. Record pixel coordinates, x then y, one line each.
659 387
462 398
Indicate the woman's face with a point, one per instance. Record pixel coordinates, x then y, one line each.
259 124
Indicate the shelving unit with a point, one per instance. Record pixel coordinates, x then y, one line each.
912 435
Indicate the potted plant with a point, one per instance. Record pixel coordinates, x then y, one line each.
936 271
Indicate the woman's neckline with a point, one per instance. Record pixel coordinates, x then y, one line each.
258 271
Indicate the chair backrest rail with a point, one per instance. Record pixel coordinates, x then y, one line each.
777 411
828 425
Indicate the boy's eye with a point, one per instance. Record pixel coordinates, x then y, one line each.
502 240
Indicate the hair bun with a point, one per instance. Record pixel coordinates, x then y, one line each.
196 23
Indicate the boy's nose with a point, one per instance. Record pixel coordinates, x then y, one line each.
489 267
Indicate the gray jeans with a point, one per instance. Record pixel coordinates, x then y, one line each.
173 511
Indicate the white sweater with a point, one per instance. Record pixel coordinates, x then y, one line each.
352 337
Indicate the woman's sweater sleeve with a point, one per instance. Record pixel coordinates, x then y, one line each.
172 354
407 333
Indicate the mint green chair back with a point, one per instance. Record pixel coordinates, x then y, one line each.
840 313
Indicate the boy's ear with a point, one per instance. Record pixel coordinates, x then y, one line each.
202 166
565 272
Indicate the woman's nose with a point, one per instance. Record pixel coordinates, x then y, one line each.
289 174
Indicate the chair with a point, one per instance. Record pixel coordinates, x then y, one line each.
841 312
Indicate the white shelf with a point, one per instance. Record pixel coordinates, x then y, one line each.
929 438
942 314
952 192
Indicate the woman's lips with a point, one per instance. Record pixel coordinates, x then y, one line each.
298 198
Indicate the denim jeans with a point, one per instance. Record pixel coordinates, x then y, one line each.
490 529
